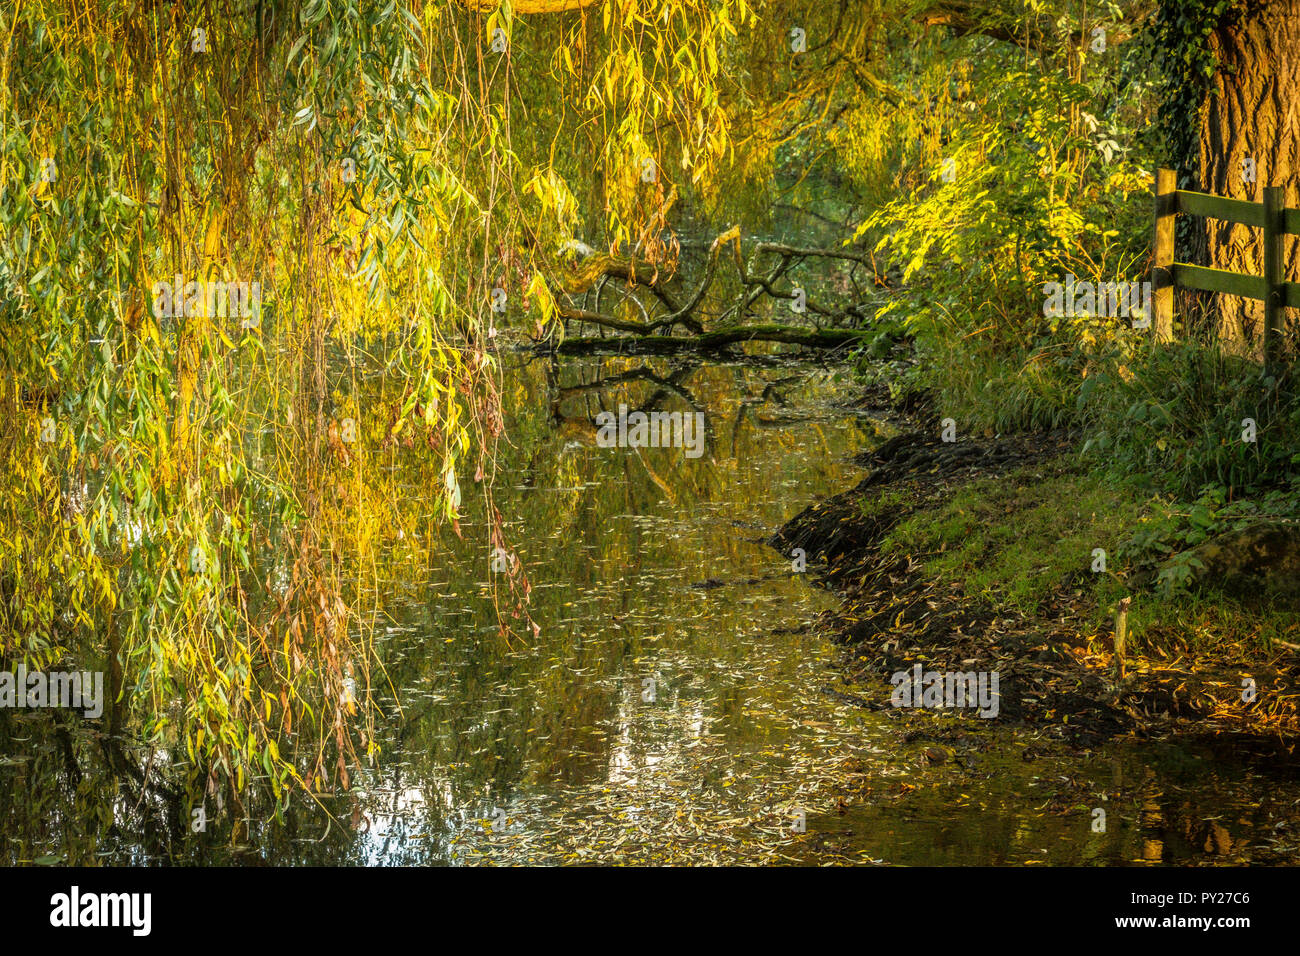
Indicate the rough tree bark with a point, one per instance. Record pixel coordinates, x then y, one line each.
1252 111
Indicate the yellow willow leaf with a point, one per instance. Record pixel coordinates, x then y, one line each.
212 238
545 302
528 6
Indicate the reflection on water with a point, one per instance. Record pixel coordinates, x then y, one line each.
677 703
670 703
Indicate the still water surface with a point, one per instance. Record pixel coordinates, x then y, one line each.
680 702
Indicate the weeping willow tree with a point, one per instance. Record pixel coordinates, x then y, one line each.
217 216
207 210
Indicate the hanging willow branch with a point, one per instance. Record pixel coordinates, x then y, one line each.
529 6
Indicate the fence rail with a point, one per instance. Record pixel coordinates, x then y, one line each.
1271 288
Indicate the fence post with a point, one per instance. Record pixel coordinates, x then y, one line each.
1273 206
1162 274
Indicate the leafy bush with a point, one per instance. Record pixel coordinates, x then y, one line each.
1025 187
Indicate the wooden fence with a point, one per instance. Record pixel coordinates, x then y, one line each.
1271 288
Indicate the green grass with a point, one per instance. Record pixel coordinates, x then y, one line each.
984 389
984 385
890 499
1208 620
1013 540
1016 540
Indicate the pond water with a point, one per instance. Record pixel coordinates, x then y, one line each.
679 702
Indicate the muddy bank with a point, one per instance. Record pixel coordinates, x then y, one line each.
1057 675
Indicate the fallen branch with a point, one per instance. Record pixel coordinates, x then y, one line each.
624 325
710 341
681 314
597 268
631 271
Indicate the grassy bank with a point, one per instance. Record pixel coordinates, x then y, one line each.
1018 542
1014 554
1041 180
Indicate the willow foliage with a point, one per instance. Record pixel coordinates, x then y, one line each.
187 496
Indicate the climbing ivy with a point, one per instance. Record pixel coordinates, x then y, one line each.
1177 41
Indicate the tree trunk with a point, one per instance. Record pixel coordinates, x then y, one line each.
1252 112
